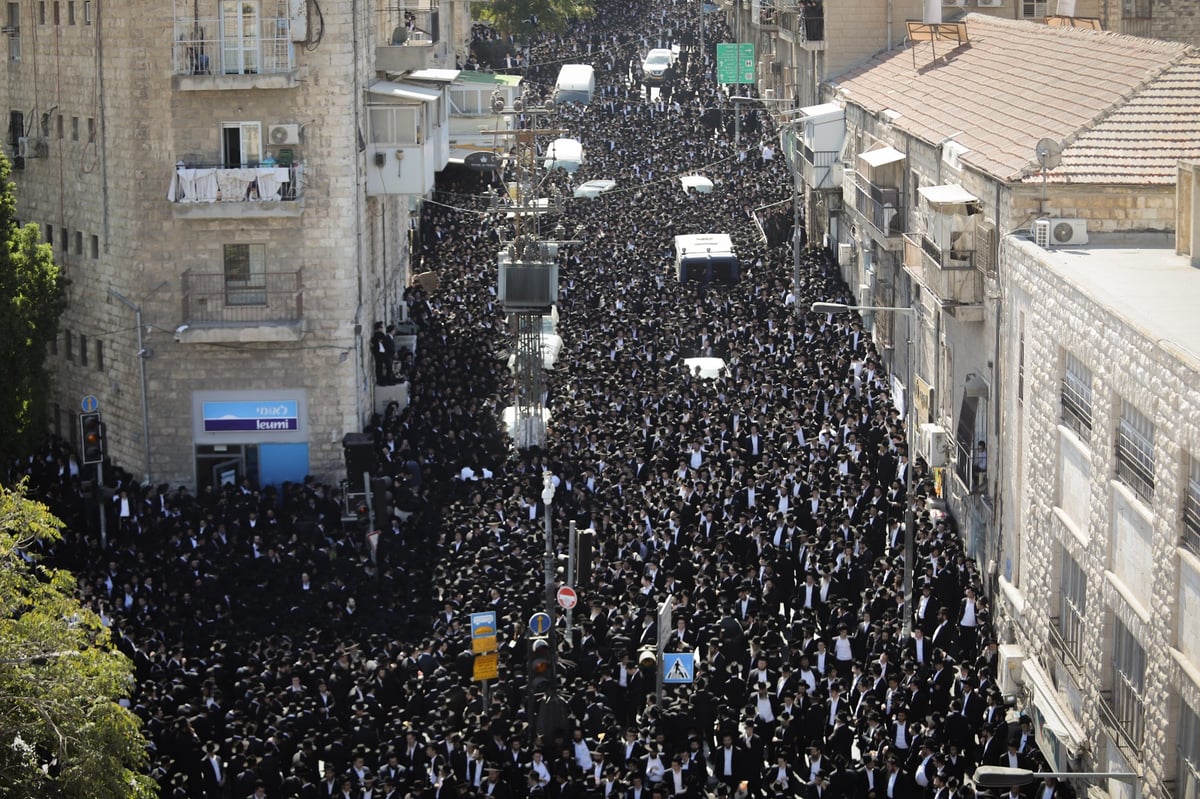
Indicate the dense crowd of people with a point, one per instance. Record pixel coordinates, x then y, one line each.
279 653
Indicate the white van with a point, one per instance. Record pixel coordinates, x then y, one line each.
575 84
705 258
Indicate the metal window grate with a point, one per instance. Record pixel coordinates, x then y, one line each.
1077 397
1135 451
1187 782
1072 607
1191 508
1129 676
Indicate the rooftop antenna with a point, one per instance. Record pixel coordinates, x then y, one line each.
1049 155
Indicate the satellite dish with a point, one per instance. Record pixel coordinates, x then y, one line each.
1049 153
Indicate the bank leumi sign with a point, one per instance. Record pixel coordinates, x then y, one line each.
251 416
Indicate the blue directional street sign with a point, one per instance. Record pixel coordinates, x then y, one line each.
89 404
678 668
539 623
483 625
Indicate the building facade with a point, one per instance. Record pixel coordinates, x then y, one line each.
208 174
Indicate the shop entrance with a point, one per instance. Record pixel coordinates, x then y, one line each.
219 465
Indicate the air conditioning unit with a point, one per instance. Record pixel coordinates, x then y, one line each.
845 254
1009 677
1056 232
768 94
31 147
284 134
931 444
989 3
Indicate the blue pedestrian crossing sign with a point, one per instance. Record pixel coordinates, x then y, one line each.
678 668
539 623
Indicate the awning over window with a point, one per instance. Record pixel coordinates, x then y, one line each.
949 194
819 113
404 91
881 156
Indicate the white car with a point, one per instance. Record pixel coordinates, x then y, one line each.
654 66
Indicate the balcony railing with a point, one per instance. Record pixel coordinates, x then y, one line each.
266 298
881 206
233 47
1137 26
950 275
208 183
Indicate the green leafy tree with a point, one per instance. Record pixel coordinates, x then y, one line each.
525 17
32 298
62 731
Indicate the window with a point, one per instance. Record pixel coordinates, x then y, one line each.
58 125
41 12
1077 397
1135 451
99 355
71 12
54 346
79 242
95 247
1135 9
57 12
91 129
1072 605
241 144
1191 507
83 350
16 126
13 22
50 235
1187 782
395 124
1129 681
69 342
64 241
245 274
87 12
1021 358
74 128
239 37
1033 9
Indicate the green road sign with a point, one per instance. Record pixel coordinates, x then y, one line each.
735 63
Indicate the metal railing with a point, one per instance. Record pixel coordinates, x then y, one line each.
214 183
242 46
413 23
216 298
882 206
1137 26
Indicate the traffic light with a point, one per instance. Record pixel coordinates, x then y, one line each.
91 436
381 501
585 540
541 668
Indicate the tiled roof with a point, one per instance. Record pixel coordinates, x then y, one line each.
1018 82
1142 140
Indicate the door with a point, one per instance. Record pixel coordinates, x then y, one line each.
226 473
239 37
241 145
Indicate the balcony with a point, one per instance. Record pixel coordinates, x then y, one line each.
413 39
821 169
950 274
801 22
763 15
882 208
266 307
212 55
215 192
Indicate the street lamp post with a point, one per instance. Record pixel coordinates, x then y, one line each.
548 502
909 516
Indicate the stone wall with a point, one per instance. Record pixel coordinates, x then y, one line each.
1160 381
119 71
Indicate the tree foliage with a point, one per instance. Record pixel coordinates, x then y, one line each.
32 297
62 731
526 17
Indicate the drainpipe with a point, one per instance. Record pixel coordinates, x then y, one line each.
141 356
889 25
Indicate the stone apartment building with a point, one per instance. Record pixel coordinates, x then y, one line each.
924 169
228 187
